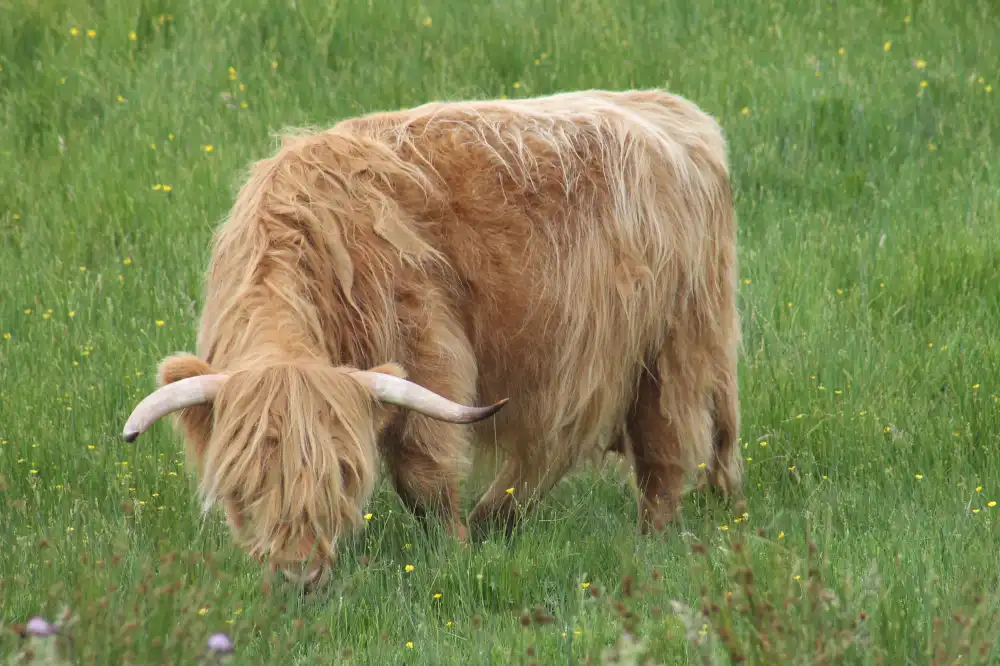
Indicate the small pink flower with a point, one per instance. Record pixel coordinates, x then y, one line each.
220 643
39 626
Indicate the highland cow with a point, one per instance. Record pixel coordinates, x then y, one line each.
575 253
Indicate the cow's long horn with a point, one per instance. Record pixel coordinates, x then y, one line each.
404 393
198 390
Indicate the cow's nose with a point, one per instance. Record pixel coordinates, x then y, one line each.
306 576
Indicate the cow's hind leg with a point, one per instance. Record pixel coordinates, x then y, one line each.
669 426
726 470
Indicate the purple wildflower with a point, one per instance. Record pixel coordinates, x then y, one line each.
220 643
39 626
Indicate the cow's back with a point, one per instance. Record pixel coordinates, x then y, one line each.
569 234
576 230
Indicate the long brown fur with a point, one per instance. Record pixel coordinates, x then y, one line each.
574 252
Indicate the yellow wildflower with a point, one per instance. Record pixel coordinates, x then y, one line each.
408 568
91 33
74 31
132 36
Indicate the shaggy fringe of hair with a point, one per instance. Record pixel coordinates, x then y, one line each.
293 449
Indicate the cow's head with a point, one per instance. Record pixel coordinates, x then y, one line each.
288 448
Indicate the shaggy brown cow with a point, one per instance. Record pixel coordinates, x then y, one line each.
574 252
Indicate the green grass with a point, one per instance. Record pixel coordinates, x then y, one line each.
869 209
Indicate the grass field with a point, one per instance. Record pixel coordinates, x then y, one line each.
863 140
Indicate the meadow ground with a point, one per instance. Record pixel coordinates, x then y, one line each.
864 159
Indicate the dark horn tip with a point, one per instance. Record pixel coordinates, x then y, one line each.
131 436
494 408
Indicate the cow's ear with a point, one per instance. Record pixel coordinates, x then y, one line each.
181 366
391 368
195 422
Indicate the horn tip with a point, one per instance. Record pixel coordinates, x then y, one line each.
130 434
487 412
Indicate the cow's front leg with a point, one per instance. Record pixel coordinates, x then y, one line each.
426 459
